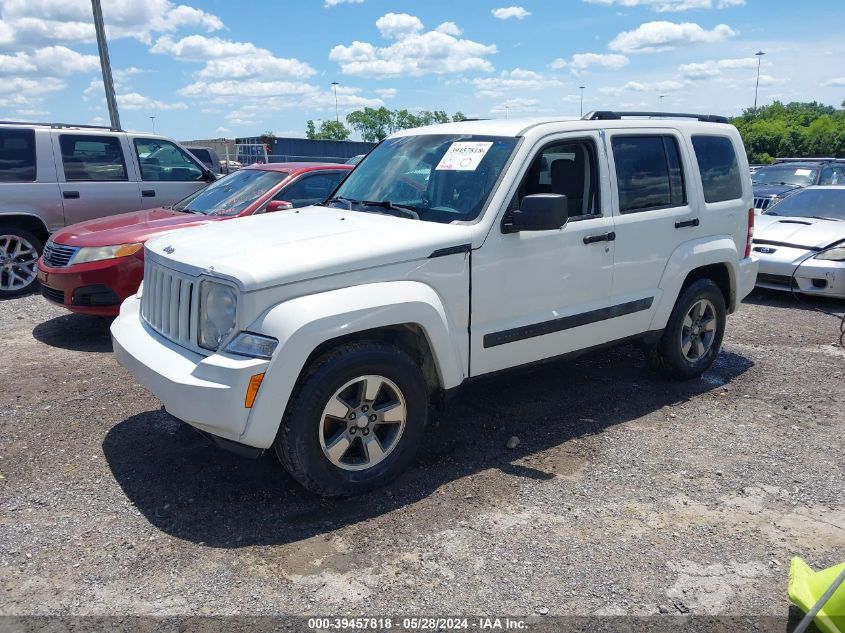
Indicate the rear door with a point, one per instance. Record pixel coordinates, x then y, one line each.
311 188
94 178
655 207
168 172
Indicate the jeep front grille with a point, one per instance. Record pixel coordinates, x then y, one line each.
764 203
167 303
58 255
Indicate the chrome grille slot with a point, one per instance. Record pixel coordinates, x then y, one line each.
763 203
58 255
167 303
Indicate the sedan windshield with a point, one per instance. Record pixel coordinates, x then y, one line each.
231 194
785 175
812 203
433 177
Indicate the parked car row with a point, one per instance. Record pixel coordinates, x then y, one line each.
773 183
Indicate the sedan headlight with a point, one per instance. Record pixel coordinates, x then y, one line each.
96 253
218 308
253 345
833 255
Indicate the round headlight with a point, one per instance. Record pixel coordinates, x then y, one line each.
218 308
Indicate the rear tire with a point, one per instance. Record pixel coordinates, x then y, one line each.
19 253
355 420
693 335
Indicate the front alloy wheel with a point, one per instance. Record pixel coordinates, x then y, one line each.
699 330
19 252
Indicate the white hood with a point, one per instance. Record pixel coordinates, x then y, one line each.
803 232
288 246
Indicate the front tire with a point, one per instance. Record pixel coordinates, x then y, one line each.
693 335
355 420
19 253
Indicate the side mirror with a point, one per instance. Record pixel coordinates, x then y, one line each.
278 205
208 176
538 212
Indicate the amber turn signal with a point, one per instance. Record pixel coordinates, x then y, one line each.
252 390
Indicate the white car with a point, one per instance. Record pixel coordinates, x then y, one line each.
800 243
327 333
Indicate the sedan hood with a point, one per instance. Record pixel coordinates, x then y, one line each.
288 246
125 228
803 232
774 191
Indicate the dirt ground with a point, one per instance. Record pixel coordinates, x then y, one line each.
626 494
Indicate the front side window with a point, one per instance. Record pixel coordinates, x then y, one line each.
438 177
719 168
17 155
567 168
832 175
231 194
648 173
162 160
92 158
310 189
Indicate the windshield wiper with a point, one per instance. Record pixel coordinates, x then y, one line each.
400 210
348 201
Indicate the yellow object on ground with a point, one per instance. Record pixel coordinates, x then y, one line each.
806 587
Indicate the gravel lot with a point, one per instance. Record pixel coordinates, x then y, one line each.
625 495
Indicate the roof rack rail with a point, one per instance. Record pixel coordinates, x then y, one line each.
59 125
610 115
820 159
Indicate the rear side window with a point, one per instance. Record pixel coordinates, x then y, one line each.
648 173
17 155
94 158
718 167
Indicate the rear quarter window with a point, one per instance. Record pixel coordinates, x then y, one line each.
648 173
17 155
718 167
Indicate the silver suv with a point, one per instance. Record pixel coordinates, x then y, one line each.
53 175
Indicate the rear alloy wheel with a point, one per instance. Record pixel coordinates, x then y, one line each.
693 335
355 419
19 253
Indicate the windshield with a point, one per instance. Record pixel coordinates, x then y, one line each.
785 174
439 177
231 194
812 203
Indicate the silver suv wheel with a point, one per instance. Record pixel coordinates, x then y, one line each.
362 422
699 330
18 263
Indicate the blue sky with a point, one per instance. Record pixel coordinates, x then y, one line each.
214 68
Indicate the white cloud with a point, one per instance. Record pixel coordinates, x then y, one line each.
837 82
449 28
413 51
583 61
662 35
136 101
519 105
517 79
248 88
387 93
639 86
714 68
28 24
664 6
52 61
506 13
333 3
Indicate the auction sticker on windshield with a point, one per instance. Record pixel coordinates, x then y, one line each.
464 156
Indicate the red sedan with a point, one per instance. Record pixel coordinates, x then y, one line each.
91 267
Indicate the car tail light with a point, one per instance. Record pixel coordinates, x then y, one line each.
750 232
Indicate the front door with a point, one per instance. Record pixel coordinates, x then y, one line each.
539 294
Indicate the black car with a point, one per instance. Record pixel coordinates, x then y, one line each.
772 183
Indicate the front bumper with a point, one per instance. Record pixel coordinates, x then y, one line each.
823 278
207 392
95 288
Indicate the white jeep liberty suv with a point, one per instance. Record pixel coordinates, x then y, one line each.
450 252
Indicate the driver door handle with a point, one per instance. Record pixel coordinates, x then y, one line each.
604 237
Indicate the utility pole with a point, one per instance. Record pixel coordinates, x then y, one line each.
336 115
582 99
661 102
507 112
105 64
759 55
153 119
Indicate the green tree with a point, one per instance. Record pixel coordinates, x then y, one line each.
375 124
329 131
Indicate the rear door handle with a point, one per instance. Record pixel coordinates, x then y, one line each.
148 193
604 237
686 223
70 195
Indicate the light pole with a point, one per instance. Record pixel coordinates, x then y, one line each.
153 119
661 102
105 64
507 112
582 99
759 55
336 115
